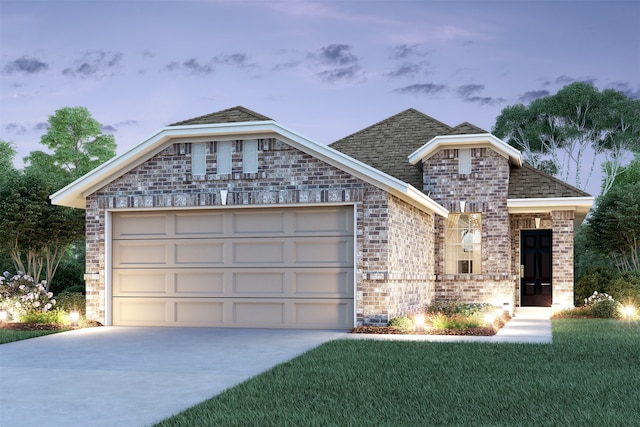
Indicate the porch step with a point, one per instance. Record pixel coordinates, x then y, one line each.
533 312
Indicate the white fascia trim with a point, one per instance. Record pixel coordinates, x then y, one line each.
581 204
467 141
74 194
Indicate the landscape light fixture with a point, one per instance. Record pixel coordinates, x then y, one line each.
3 316
419 321
74 316
629 311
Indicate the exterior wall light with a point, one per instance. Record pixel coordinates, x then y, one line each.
74 316
419 321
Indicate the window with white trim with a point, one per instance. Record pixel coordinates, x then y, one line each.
223 157
250 156
198 159
463 244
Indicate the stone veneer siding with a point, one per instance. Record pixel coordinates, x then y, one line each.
389 279
484 191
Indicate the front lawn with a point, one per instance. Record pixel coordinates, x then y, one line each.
11 335
588 376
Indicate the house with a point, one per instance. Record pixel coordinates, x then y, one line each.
231 219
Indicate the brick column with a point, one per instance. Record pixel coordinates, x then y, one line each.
562 224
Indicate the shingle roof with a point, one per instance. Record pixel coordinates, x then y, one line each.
230 115
528 182
466 128
386 145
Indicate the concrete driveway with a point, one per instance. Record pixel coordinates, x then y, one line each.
129 376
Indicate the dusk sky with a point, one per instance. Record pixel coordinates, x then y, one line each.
325 69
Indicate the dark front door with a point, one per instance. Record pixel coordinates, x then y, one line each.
535 269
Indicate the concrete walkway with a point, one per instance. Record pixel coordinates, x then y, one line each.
529 325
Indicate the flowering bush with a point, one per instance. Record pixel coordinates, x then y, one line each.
21 295
603 305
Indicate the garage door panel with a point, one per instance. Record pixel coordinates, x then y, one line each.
323 283
199 223
197 251
140 225
259 282
139 253
199 313
323 221
258 313
324 314
141 282
335 251
258 252
201 282
258 223
142 311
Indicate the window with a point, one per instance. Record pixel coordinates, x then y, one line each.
198 159
223 157
463 244
250 156
464 161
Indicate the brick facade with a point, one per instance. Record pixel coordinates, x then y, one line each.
483 191
394 267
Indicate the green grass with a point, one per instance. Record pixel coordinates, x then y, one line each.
8 335
590 375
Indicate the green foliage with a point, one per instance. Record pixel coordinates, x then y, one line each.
594 279
614 228
78 146
56 316
401 322
8 335
577 312
626 288
7 153
559 133
455 321
71 301
607 309
21 295
453 308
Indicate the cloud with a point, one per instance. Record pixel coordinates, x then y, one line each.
421 89
25 65
404 51
108 129
342 73
532 95
337 54
235 60
41 127
468 94
95 64
405 70
286 65
15 128
191 66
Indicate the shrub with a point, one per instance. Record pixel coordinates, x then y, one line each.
603 306
20 295
626 288
452 308
573 312
54 316
455 321
594 279
401 322
71 301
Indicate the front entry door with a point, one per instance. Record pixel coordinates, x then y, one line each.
535 280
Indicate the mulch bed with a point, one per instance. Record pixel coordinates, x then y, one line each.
484 331
18 326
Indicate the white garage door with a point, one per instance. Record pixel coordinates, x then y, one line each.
254 268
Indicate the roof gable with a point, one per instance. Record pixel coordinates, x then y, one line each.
466 141
466 128
230 115
74 194
528 182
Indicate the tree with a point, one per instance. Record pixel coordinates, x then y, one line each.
614 226
78 146
7 153
560 133
34 232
